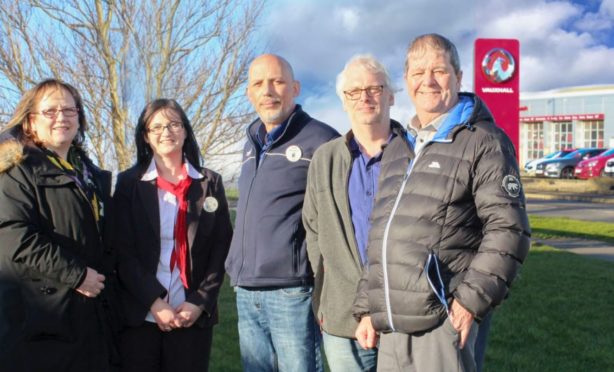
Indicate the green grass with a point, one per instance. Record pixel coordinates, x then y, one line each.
225 356
549 227
558 316
232 194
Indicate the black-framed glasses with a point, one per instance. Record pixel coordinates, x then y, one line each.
372 91
52 113
173 127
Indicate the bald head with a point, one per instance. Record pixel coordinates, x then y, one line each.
271 89
274 59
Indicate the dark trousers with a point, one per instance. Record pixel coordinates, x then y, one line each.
146 348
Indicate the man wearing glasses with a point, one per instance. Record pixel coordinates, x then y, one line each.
267 263
450 229
341 188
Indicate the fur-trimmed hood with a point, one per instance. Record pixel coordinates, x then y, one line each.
11 154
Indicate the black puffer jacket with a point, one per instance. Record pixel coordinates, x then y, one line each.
48 237
461 199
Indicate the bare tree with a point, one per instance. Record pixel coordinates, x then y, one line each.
122 53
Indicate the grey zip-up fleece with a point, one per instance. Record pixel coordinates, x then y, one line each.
331 242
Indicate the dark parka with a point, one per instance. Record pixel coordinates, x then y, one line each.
136 237
460 199
48 237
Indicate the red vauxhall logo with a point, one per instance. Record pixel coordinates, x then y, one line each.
498 65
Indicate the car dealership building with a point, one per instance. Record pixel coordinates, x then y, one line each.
571 117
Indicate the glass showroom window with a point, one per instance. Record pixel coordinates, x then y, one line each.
593 133
562 135
535 140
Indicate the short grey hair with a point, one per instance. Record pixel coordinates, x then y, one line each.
368 62
437 42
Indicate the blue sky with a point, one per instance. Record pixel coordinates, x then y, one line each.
563 43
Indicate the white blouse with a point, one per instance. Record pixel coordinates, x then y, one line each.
168 204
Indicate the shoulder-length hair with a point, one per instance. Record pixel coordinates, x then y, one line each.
21 118
144 153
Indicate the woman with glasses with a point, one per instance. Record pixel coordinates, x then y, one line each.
53 264
172 235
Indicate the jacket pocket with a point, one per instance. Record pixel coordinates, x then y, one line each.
49 312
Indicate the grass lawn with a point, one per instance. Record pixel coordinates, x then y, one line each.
552 227
558 316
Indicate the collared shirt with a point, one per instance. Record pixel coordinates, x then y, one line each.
425 134
265 140
362 187
168 214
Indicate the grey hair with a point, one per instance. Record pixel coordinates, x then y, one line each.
370 63
437 42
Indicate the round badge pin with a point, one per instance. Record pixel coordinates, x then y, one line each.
210 204
293 153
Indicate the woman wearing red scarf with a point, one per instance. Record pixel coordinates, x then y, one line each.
172 231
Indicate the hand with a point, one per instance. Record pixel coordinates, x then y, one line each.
461 320
186 314
365 333
93 283
164 315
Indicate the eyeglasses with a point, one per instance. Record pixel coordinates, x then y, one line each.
173 127
372 91
53 113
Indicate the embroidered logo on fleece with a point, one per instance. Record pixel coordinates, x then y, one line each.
511 185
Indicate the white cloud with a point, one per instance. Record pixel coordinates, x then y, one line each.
561 43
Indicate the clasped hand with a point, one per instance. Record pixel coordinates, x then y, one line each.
168 318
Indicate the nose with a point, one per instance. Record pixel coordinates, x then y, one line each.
267 89
364 96
429 77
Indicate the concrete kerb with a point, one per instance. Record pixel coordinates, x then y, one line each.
589 248
587 198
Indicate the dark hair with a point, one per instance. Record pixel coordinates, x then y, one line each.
143 150
27 104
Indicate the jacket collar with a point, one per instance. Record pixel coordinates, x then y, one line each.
395 127
469 110
292 121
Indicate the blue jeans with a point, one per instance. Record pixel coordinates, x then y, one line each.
346 355
277 330
482 340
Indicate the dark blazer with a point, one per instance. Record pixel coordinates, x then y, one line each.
136 236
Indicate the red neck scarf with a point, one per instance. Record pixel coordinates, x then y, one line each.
180 253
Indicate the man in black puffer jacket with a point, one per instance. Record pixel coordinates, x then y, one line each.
449 226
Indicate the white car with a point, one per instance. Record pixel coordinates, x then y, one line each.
531 166
608 170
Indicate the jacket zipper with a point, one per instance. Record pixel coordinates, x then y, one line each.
259 162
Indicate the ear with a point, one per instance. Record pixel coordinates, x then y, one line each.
296 88
459 79
391 98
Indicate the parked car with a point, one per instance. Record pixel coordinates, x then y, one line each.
593 167
608 170
564 167
531 166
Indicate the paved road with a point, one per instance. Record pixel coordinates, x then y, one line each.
572 209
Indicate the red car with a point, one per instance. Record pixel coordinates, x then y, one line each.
593 167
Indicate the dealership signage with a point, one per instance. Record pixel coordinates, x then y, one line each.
496 81
537 119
